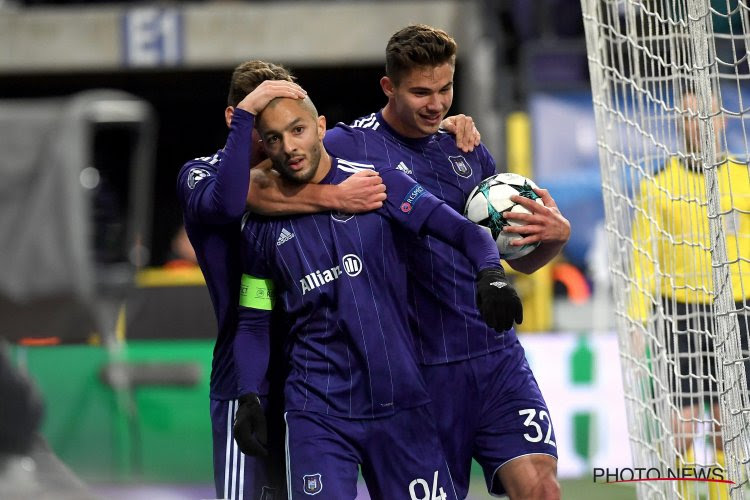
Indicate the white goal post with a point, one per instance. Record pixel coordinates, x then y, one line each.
670 83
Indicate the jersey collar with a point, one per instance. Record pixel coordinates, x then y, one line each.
331 175
406 140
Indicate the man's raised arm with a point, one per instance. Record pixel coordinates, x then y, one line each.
212 189
269 194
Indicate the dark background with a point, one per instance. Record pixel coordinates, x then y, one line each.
189 106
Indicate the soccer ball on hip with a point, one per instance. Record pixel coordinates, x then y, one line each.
487 202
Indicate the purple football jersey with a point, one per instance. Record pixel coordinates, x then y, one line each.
213 191
341 280
443 311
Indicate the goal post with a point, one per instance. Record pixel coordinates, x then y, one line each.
670 84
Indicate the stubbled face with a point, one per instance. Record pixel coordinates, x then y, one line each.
292 138
421 100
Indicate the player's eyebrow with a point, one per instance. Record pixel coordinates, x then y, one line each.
288 126
293 123
428 89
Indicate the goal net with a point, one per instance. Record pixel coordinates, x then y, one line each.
671 94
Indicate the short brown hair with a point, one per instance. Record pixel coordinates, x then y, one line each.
248 75
417 45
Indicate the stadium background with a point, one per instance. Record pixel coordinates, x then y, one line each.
118 344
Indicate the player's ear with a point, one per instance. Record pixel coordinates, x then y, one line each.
228 114
387 85
257 141
321 127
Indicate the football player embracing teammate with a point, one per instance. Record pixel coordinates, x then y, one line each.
485 398
354 396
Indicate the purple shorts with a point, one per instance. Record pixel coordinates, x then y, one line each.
400 456
236 475
489 408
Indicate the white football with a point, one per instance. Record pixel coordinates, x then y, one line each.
487 202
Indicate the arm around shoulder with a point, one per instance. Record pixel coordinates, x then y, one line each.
271 195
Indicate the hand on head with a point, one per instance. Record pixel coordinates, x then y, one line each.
267 91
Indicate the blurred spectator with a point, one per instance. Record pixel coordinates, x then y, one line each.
181 253
673 270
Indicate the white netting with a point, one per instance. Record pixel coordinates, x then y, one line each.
672 103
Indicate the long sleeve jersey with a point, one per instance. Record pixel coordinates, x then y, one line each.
671 238
442 306
341 280
212 191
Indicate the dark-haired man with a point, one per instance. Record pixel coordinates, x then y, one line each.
213 191
486 401
354 396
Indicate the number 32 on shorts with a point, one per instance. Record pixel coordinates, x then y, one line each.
531 421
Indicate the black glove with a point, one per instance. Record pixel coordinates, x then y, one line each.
250 426
497 300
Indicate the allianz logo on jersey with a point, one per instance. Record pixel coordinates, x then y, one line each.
351 263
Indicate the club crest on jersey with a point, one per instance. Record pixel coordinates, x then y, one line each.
341 216
460 165
195 175
411 198
313 484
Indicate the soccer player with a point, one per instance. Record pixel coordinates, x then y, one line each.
677 280
486 401
213 191
354 395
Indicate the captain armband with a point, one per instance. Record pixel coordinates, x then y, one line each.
256 293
